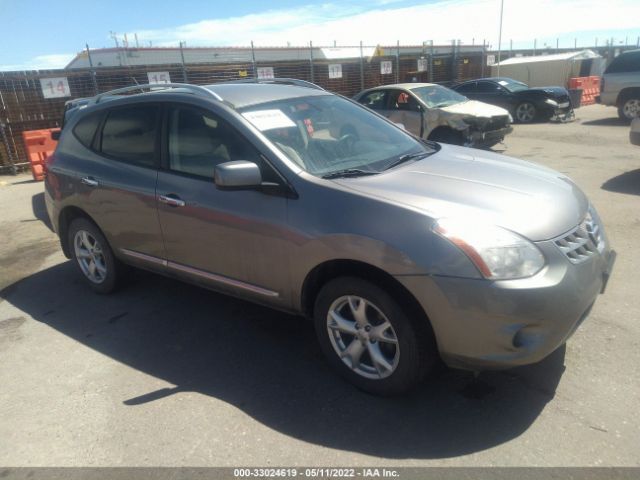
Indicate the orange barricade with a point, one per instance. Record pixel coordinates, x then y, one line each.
590 88
39 145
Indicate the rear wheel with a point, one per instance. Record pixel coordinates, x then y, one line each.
93 256
369 339
525 112
629 108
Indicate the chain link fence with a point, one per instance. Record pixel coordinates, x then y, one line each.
35 99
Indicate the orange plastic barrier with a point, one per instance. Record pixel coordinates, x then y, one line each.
39 145
590 88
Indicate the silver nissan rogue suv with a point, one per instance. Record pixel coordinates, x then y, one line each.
400 250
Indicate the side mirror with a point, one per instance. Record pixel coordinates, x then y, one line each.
55 134
237 174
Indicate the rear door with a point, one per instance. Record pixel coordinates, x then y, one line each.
117 181
230 239
491 92
467 89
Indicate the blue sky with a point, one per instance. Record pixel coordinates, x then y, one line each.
40 34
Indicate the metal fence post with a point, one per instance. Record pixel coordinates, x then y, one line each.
311 60
3 137
184 68
92 71
398 62
361 67
483 61
431 51
253 61
454 61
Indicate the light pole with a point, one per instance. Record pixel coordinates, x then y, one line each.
500 36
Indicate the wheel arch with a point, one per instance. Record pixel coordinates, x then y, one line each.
67 215
442 131
331 269
626 93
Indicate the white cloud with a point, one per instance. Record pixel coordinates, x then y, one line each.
383 23
41 62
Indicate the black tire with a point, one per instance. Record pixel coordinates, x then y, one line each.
629 108
113 268
525 112
417 351
447 135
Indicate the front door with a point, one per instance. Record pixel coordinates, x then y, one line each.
403 109
231 240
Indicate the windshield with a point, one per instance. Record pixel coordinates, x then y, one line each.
513 85
326 134
436 96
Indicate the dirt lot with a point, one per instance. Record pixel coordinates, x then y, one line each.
164 373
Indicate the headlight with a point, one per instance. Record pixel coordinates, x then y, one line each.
510 119
498 253
551 102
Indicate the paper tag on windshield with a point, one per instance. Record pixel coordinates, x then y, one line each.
269 119
503 83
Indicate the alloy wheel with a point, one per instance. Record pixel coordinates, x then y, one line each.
90 256
363 337
631 108
525 112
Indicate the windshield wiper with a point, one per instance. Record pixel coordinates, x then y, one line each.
349 172
406 158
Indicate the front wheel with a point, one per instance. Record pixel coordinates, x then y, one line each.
525 112
369 339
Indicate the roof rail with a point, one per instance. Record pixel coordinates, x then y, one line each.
284 81
195 89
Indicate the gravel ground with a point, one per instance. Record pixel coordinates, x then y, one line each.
168 374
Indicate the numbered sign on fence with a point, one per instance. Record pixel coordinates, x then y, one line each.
265 73
159 77
335 70
55 87
386 67
422 64
491 59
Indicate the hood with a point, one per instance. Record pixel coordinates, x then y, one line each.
532 200
475 109
553 92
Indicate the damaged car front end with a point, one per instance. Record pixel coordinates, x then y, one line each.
437 113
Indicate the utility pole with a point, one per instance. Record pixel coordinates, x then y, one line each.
500 36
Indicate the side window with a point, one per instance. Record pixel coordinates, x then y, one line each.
129 134
375 100
627 62
467 88
86 128
400 100
199 140
488 87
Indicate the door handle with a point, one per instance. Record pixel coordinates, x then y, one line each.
171 200
89 181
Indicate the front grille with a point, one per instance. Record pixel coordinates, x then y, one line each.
583 241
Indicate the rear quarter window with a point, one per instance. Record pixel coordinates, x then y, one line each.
129 134
85 129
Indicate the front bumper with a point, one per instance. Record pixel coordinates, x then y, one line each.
488 138
481 324
563 114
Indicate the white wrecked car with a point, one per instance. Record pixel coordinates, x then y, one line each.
437 113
